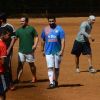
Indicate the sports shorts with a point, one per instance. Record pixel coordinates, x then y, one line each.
53 60
25 57
81 47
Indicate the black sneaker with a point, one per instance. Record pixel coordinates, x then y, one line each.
55 83
51 86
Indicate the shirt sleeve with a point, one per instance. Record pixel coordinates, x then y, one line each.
83 30
13 35
62 33
35 32
16 33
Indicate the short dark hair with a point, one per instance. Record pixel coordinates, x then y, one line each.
3 16
5 30
51 17
26 18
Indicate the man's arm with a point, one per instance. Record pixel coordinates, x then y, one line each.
91 38
87 35
11 45
62 46
36 40
42 46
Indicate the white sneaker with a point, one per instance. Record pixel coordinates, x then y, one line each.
91 70
77 70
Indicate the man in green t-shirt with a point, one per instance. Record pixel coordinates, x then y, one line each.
28 40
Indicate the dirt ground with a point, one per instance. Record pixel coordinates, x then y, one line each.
72 85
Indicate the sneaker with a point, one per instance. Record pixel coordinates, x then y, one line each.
91 70
77 70
51 86
55 83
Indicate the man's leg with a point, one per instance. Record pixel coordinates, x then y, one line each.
19 70
50 74
88 52
77 63
9 64
57 69
9 58
89 60
91 69
33 70
21 60
50 64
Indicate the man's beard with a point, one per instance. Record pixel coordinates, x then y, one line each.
53 25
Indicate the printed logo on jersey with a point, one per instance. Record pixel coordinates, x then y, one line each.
56 31
52 38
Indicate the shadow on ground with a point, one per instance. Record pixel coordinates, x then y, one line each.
70 85
39 80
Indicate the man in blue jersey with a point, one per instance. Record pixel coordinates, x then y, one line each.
53 44
82 44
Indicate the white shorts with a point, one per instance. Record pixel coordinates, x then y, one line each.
25 57
53 61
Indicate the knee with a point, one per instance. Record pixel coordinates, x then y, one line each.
50 69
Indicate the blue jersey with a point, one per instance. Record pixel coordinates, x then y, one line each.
52 38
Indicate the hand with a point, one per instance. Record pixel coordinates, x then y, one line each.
33 49
43 53
61 53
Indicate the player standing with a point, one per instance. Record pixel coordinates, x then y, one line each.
9 43
82 44
53 44
28 40
4 79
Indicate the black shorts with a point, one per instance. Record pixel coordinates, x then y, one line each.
81 47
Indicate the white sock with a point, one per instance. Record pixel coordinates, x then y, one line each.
50 75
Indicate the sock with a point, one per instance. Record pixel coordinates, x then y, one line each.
50 75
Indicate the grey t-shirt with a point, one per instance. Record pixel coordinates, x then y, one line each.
83 34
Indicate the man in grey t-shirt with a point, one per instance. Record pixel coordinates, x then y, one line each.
82 44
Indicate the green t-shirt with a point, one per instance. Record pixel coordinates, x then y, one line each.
26 38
